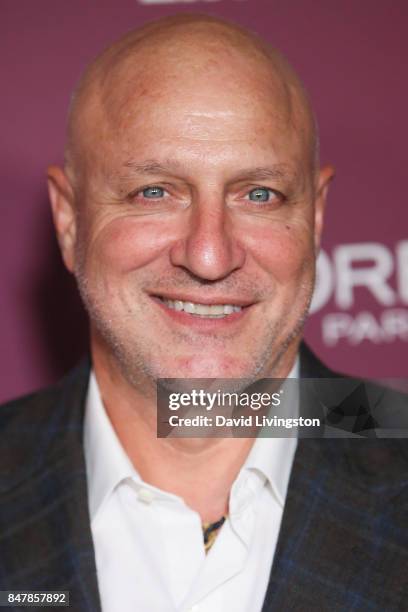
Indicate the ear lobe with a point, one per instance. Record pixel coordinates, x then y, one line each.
63 212
325 177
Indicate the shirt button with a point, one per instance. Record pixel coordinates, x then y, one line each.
146 496
194 608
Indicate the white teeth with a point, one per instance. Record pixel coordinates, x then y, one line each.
202 309
189 307
215 311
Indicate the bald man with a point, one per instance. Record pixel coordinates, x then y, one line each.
190 210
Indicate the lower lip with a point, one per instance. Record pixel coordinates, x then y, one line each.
203 323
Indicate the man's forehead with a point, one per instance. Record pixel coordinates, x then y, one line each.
211 70
197 109
219 77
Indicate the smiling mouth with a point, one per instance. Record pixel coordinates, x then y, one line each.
203 311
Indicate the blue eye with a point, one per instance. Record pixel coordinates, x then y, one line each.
260 194
153 192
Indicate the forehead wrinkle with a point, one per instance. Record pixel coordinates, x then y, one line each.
280 171
152 166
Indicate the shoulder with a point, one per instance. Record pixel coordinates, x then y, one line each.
33 407
39 406
366 424
37 426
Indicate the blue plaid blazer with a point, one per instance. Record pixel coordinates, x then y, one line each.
343 544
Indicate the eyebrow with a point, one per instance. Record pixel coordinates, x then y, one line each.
276 171
152 166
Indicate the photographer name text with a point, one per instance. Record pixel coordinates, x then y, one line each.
252 420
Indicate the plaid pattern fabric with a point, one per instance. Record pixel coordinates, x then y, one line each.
343 544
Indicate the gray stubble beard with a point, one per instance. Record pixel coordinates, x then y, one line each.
133 364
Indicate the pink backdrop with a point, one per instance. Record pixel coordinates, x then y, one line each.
352 55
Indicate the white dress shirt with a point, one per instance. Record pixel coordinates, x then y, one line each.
148 543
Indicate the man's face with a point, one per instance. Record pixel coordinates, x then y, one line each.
196 233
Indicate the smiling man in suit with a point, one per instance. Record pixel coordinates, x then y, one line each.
190 211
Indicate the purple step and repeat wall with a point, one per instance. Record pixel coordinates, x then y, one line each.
352 56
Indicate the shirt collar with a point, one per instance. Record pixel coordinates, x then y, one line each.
107 464
273 457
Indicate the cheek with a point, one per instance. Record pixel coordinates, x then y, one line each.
126 244
284 251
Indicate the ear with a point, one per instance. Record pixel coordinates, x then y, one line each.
63 211
324 178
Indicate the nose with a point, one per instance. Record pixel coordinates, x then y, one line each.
209 249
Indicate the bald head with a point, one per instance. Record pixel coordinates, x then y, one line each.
190 53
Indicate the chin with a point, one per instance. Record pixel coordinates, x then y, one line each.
209 367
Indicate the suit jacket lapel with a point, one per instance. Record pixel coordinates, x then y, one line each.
46 526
